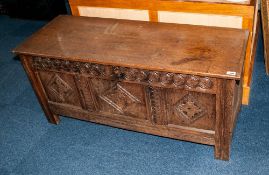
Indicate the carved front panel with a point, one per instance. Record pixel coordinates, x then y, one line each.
191 109
60 88
163 98
120 98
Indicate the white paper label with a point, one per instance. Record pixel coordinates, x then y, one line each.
231 73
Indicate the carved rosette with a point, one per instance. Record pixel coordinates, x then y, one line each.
179 79
152 78
192 82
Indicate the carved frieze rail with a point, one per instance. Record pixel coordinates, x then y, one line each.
152 78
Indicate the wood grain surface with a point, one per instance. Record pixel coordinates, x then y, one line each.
207 51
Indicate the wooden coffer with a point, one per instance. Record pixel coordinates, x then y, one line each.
139 81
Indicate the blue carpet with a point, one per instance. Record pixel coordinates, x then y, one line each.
29 145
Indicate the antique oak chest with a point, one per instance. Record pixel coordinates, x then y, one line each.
171 80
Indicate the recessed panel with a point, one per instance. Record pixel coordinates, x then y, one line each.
200 19
117 13
125 99
60 88
191 109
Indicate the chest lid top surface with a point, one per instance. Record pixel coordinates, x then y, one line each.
197 50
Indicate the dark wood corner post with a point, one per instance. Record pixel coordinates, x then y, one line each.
39 91
224 118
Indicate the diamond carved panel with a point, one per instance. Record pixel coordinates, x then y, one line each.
123 101
59 88
189 109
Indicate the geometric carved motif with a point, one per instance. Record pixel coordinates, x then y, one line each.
122 100
149 77
60 89
188 109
